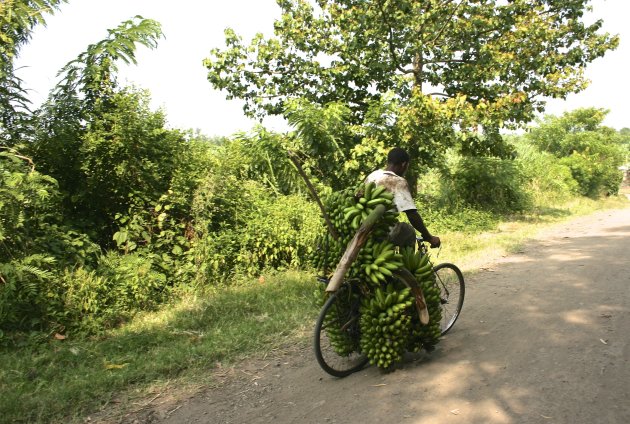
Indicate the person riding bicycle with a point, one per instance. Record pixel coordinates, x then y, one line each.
402 234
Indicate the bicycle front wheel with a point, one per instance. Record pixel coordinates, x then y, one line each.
337 334
451 283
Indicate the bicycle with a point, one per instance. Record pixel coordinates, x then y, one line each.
336 334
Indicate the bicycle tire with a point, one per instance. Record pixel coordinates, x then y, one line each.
338 313
450 280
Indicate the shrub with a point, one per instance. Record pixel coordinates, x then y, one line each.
489 184
95 300
459 218
590 150
547 178
281 232
594 175
243 227
34 247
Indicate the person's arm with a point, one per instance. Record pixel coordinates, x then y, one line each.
416 222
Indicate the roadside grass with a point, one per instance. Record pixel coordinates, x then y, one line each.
469 251
64 381
182 343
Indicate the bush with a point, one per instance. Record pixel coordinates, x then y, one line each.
121 285
440 220
242 227
489 184
547 178
35 246
594 175
281 232
590 150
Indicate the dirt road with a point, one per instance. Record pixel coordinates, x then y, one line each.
543 338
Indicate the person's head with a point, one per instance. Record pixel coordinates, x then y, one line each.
398 161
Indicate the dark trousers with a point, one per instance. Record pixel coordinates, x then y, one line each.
403 235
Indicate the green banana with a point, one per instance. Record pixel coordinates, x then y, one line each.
378 191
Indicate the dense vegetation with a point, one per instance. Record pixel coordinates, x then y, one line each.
105 212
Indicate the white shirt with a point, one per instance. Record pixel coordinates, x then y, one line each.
396 185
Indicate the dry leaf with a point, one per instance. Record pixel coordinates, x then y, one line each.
59 336
115 366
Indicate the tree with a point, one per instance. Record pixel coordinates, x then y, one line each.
501 56
592 151
17 20
97 140
424 75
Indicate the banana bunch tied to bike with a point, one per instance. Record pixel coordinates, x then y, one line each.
424 336
347 209
385 326
389 323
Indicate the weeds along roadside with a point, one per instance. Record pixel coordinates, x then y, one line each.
184 341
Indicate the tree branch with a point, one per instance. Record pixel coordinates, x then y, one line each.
431 62
293 157
448 21
440 94
17 155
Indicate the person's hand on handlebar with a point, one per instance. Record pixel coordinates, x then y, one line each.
434 242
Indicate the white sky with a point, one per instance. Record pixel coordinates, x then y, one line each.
177 80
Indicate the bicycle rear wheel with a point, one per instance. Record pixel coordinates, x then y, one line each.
451 283
337 335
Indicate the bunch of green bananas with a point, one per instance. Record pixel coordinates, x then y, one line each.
430 334
342 340
419 265
416 263
347 209
385 326
379 260
368 197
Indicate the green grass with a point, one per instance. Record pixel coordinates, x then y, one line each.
180 345
68 379
469 251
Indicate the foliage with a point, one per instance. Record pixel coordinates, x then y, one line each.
17 20
263 156
92 74
34 245
324 138
547 178
121 285
450 219
353 52
243 227
127 158
474 64
95 138
594 174
280 233
593 152
488 183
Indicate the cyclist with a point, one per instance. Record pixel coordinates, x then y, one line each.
402 234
